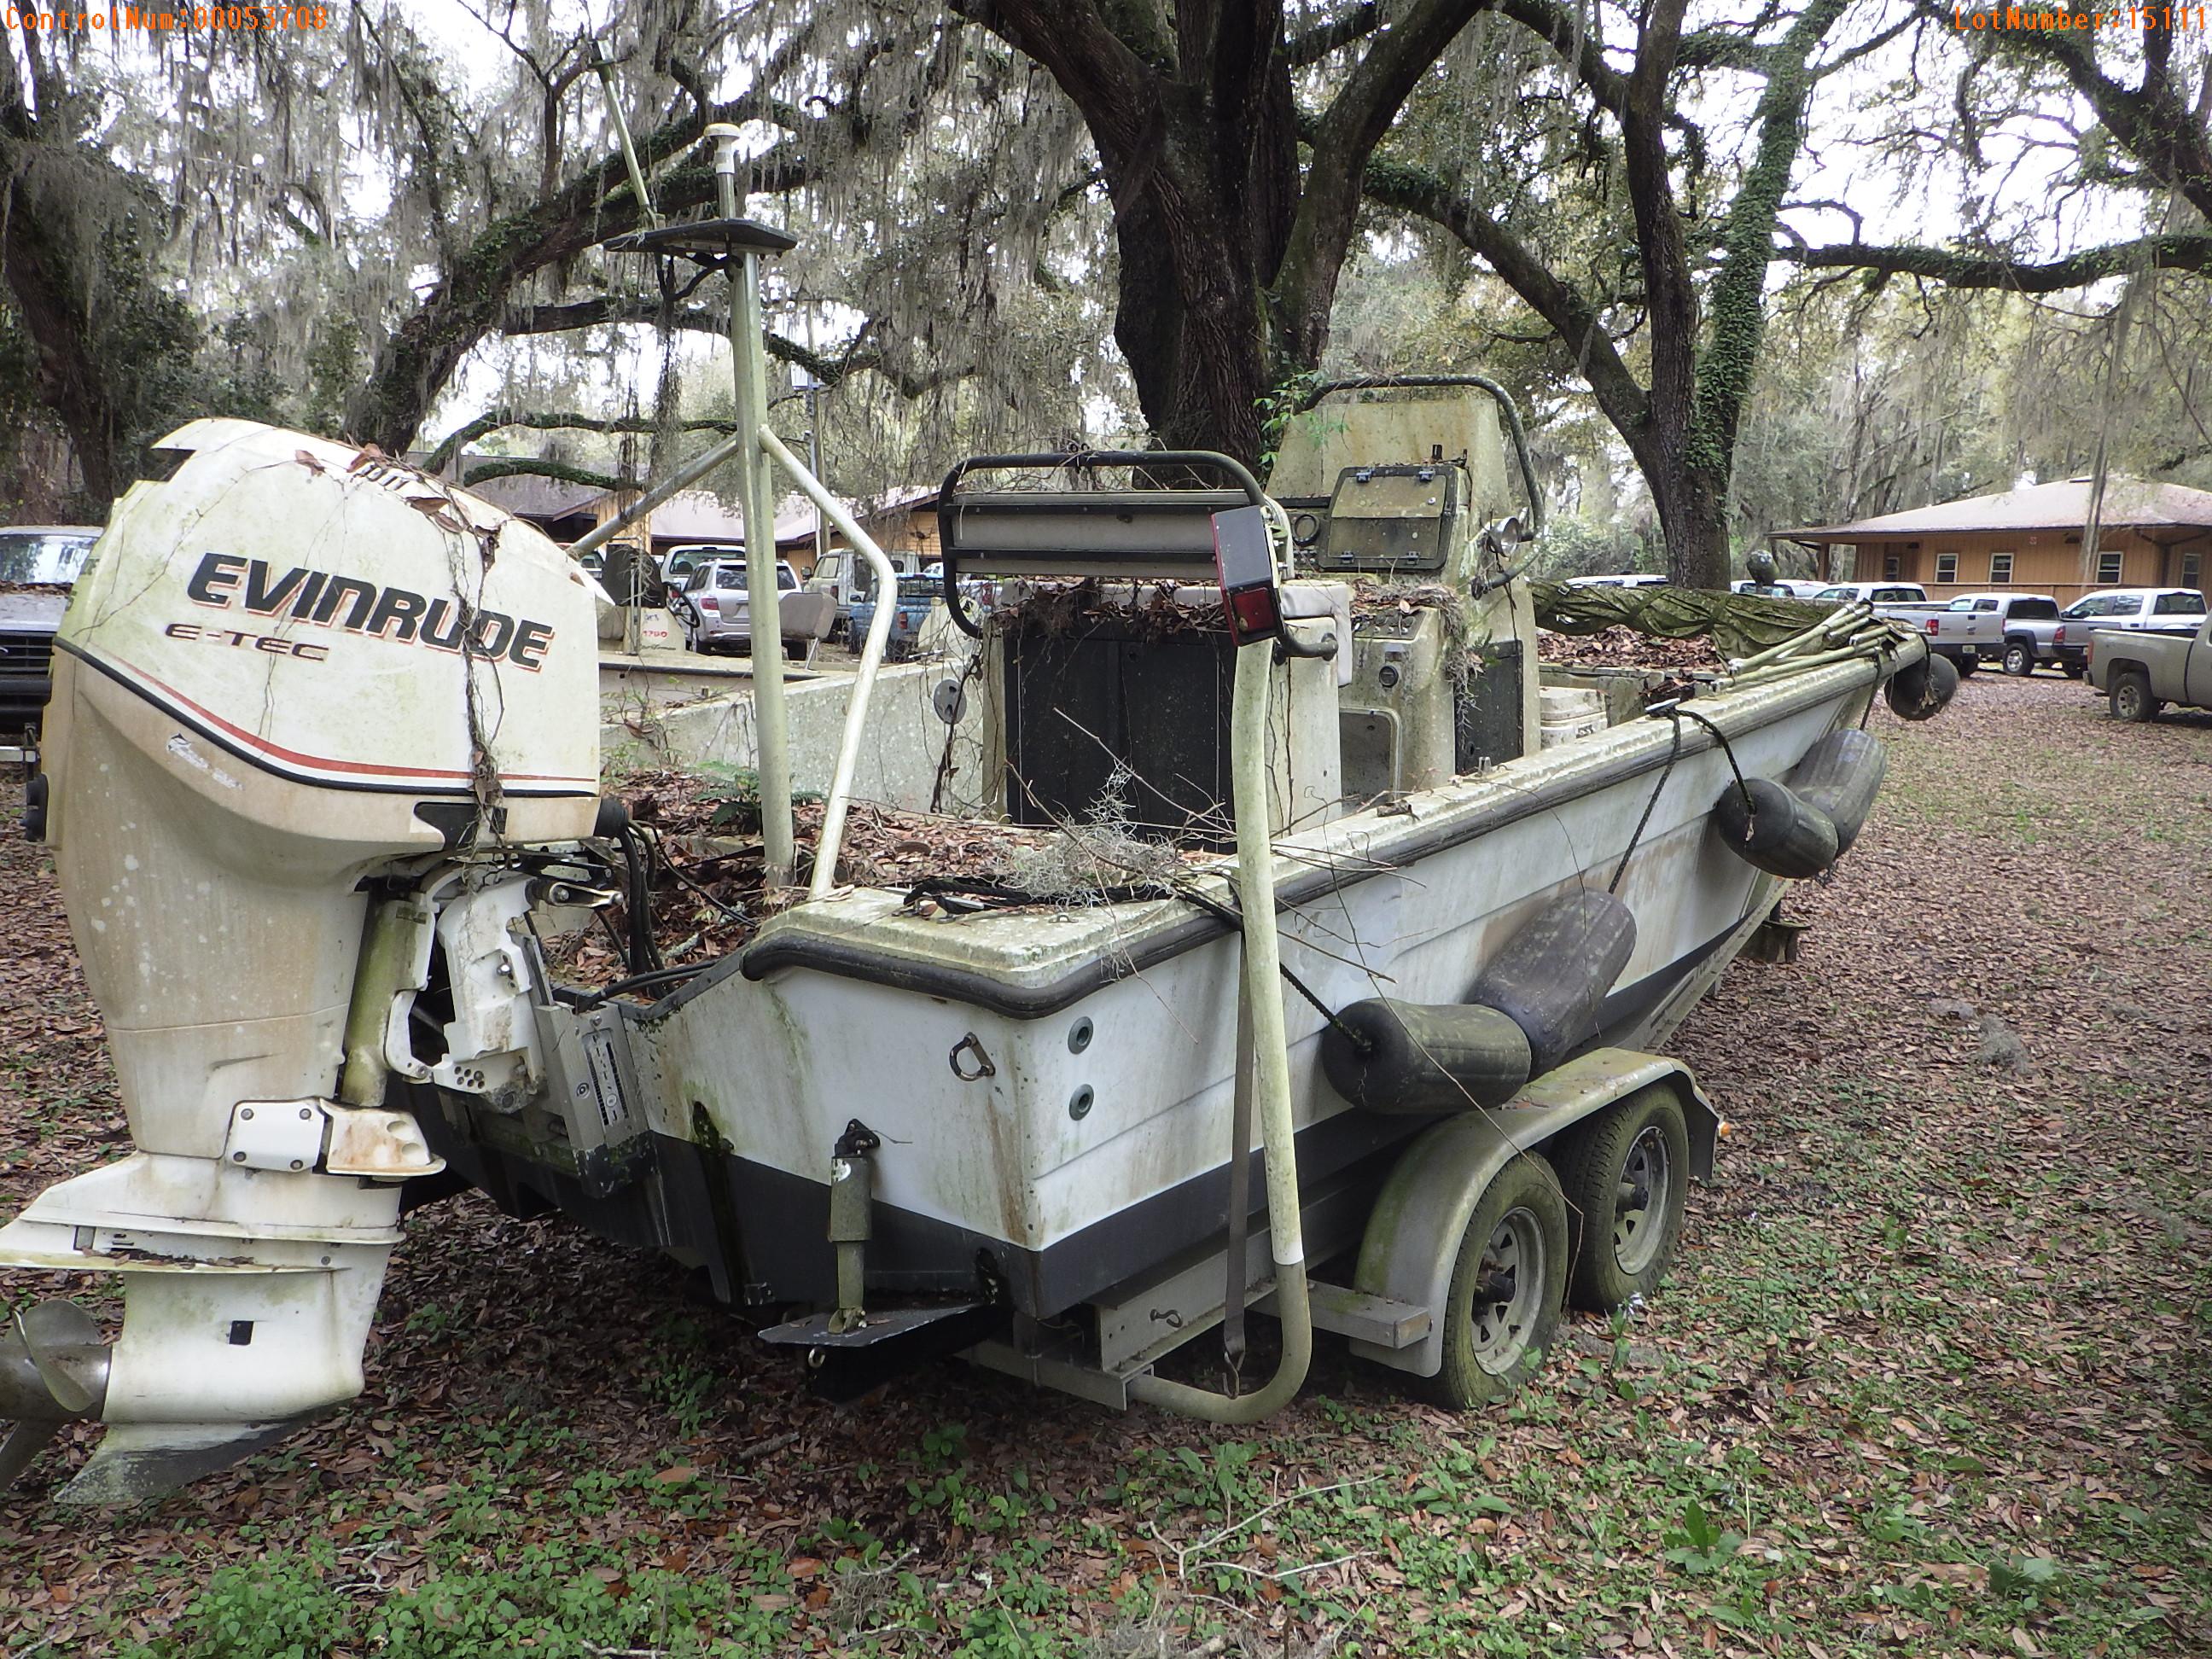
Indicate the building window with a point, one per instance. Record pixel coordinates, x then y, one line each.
1946 566
2000 569
2192 568
2108 566
1891 567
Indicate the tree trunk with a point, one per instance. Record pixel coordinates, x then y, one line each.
1692 507
51 278
1229 259
1200 221
49 294
1189 319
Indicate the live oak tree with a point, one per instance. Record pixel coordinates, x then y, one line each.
1243 150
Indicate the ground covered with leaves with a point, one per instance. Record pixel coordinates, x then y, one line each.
1930 1378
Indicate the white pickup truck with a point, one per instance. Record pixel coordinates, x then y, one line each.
2158 610
1978 628
1880 595
2140 673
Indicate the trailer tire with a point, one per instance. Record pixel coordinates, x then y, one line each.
1621 1250
1494 1345
2019 659
2131 699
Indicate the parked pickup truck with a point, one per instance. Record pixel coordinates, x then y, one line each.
1880 595
1978 628
39 565
848 578
2141 670
2066 642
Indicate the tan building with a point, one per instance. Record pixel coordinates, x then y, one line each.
2152 535
700 518
903 520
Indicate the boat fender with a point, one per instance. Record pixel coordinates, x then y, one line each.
1411 1057
1797 827
1782 834
1552 976
1840 775
1921 690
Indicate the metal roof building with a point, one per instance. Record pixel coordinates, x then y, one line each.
2150 535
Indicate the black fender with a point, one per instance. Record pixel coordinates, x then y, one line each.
1921 690
1392 1056
1798 827
1552 976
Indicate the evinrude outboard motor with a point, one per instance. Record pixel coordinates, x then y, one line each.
312 711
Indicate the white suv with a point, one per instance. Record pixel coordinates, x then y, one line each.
713 611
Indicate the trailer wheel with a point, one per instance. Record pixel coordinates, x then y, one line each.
2018 660
1507 1286
1625 1173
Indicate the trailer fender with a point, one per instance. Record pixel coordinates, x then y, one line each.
1414 1232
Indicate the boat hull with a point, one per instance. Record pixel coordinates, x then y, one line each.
1053 1092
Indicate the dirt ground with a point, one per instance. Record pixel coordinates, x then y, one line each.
1930 1378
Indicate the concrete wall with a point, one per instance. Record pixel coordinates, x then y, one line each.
661 720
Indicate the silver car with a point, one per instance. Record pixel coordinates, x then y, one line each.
712 609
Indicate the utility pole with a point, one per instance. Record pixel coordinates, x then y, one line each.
802 376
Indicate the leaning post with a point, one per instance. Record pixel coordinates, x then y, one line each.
756 502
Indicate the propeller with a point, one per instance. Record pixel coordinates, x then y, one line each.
54 1369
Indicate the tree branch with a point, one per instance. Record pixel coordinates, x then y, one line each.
1343 139
1578 44
829 369
552 421
1729 358
1115 88
2151 121
1570 314
1311 45
1961 269
524 466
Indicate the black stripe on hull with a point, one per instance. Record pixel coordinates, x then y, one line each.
762 1232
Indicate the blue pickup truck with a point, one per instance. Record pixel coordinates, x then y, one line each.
915 595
